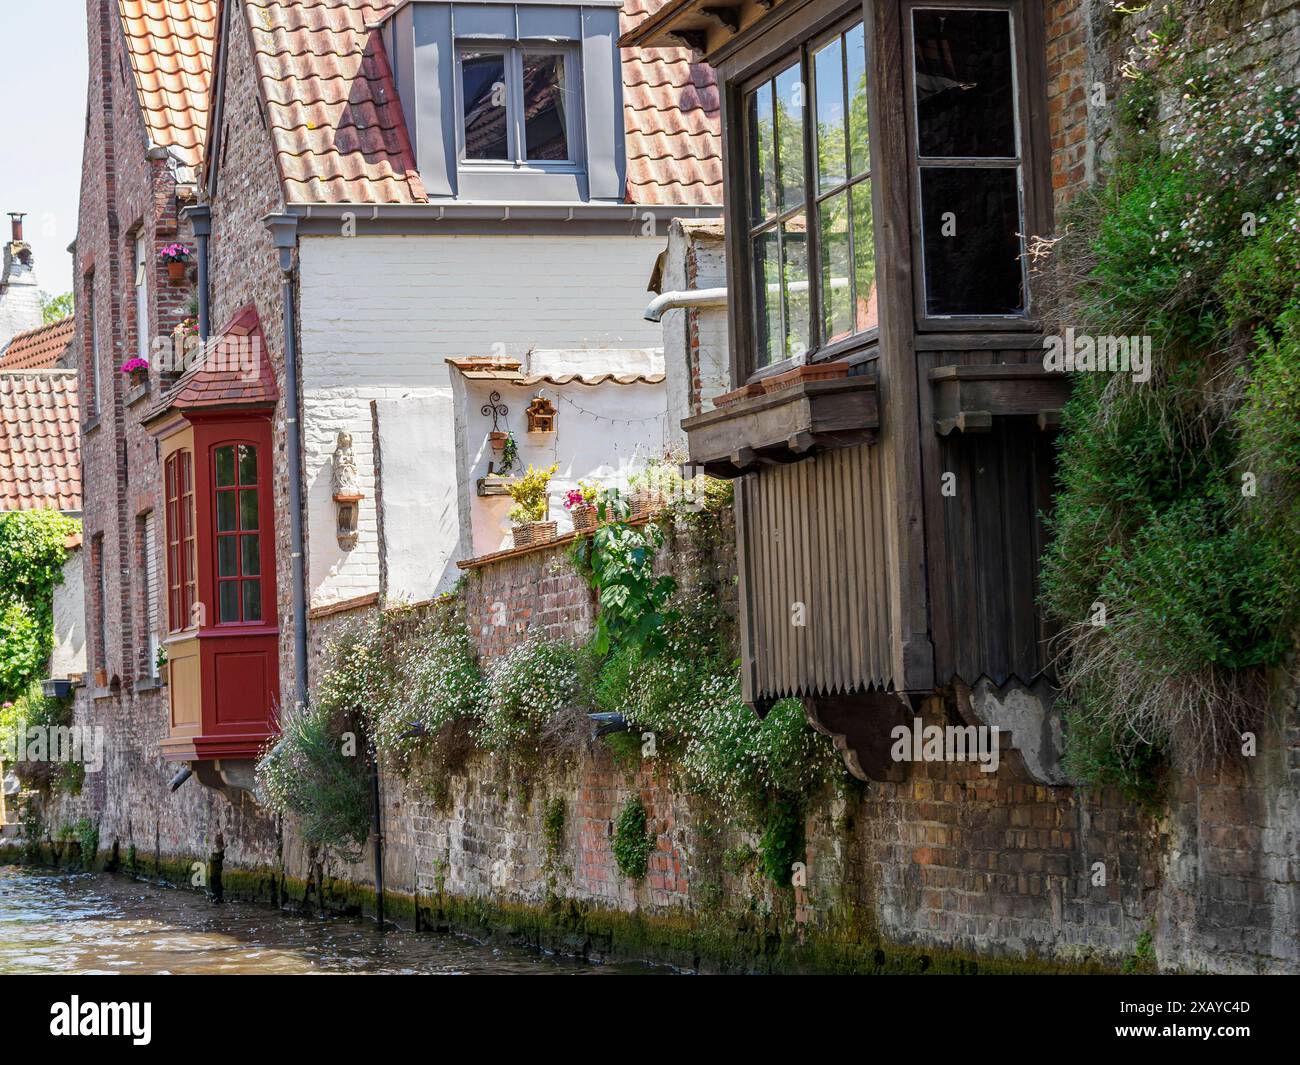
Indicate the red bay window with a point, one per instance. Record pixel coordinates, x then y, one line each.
214 429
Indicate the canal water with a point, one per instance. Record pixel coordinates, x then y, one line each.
82 923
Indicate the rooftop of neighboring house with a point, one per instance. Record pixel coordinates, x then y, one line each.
40 440
38 349
170 46
339 134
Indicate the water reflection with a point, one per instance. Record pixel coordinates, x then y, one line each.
83 923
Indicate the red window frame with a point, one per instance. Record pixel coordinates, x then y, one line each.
244 576
182 571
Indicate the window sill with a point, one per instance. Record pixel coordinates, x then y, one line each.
150 684
968 398
90 425
136 394
784 426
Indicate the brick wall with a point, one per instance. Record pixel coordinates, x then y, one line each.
125 190
949 863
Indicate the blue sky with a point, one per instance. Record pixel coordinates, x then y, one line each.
42 116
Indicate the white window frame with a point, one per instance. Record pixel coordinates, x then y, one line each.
142 296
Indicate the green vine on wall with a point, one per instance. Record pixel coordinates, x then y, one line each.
632 840
33 548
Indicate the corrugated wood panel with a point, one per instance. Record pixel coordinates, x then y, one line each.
813 540
985 541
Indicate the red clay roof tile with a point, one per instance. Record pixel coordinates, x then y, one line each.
40 440
170 44
38 349
340 137
233 371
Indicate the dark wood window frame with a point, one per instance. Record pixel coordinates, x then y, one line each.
751 59
1032 209
747 221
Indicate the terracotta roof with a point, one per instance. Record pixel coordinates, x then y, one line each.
39 349
672 115
340 137
484 368
235 371
170 43
336 121
40 440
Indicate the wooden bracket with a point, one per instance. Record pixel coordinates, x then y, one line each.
726 17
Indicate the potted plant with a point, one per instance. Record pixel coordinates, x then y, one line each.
137 370
528 515
650 488
580 502
498 437
176 256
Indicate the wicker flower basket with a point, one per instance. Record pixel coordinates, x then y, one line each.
534 533
584 518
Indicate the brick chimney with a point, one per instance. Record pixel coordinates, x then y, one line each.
17 220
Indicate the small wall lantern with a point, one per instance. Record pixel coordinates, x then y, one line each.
541 415
347 491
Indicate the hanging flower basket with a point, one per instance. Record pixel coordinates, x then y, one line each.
176 256
498 438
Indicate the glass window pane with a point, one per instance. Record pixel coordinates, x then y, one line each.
965 95
227 562
828 70
225 466
855 59
225 511
866 310
252 600
767 298
970 221
789 136
836 278
762 148
794 249
250 555
483 93
545 131
247 464
228 598
248 509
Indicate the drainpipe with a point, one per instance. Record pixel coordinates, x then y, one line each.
284 231
697 297
200 219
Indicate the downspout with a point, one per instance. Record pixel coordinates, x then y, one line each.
697 297
284 231
200 219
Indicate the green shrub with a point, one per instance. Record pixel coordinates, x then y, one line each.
33 548
318 775
782 841
632 841
529 688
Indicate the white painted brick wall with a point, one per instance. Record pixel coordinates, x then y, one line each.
389 310
380 315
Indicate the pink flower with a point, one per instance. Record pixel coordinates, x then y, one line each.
132 365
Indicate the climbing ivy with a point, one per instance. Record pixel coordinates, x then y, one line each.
632 840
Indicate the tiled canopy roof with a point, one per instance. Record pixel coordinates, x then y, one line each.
170 44
40 440
673 120
234 371
39 349
339 135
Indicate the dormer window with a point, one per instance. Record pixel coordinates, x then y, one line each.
512 102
